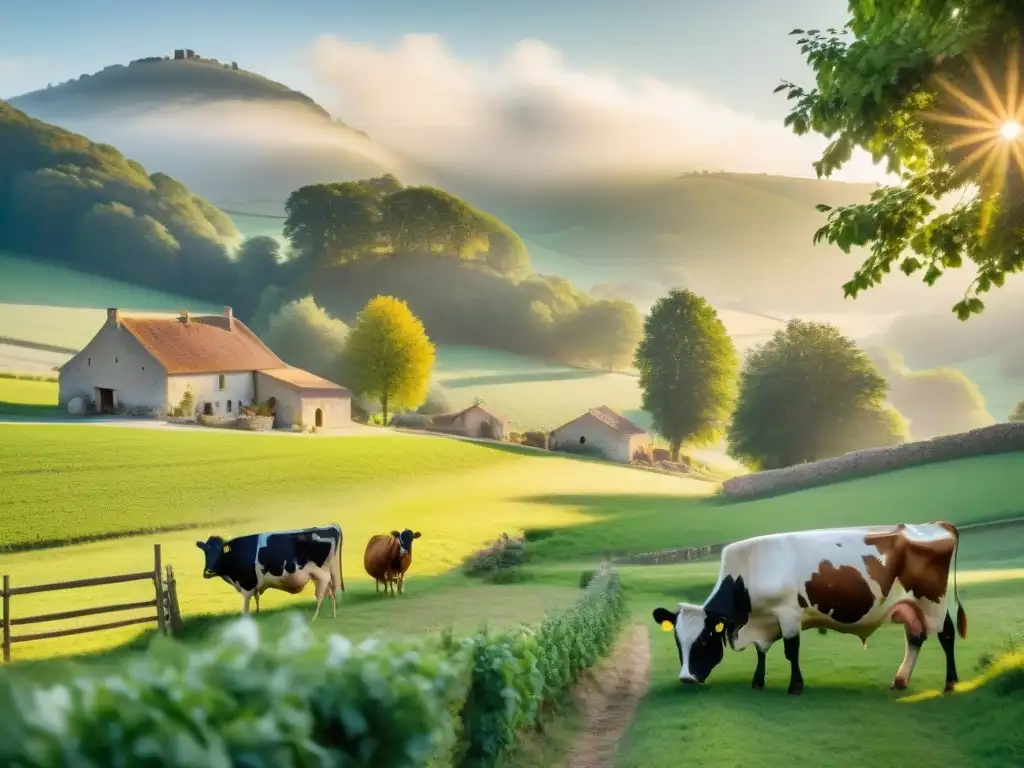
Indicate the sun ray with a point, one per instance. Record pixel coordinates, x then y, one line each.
975 156
1013 100
973 104
1018 156
966 122
990 89
972 138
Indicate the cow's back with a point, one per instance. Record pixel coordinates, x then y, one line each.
842 578
380 552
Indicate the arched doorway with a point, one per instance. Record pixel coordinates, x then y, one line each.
318 419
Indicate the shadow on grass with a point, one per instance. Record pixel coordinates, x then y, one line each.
30 410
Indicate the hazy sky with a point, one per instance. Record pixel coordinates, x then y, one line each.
733 51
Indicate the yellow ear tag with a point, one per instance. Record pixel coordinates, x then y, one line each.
668 626
719 627
226 549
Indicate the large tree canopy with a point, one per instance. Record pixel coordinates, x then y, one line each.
807 394
934 89
688 368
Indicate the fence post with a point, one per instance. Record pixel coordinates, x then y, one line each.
7 618
161 618
173 611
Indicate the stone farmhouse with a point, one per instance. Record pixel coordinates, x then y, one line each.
604 431
144 364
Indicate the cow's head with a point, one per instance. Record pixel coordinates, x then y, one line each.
215 549
700 639
405 540
703 630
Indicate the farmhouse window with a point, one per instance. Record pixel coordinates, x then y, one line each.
229 406
221 381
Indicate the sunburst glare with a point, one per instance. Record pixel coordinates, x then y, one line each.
991 135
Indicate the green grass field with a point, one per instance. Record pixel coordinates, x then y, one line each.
74 481
67 482
26 396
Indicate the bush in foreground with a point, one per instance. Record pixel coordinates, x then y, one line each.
255 697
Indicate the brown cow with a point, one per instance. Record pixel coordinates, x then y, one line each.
850 580
387 558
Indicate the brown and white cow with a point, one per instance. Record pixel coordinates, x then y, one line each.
387 558
849 580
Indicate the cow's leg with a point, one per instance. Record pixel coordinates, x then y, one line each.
322 579
401 582
915 629
256 596
246 597
376 586
792 648
758 683
946 638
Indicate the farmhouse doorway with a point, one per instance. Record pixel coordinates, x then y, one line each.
106 400
319 417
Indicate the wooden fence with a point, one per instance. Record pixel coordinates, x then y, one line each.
165 600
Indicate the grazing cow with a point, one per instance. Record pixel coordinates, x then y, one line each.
387 558
850 580
284 560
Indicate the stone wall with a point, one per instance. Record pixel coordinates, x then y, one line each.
255 423
997 438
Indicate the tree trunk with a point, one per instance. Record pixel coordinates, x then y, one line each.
384 406
673 450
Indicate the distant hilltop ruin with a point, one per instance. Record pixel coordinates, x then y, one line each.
183 54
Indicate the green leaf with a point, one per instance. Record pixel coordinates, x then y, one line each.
822 208
933 274
910 265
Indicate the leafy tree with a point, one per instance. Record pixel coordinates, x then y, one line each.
1018 412
932 87
807 394
437 401
605 332
258 263
331 224
304 335
389 355
416 219
688 368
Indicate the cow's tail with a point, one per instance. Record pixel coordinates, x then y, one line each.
961 615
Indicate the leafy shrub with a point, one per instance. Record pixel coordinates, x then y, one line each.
187 406
535 439
585 578
498 560
265 695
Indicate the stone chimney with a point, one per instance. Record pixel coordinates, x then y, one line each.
184 317
114 316
231 318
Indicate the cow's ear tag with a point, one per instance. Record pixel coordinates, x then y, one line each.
719 627
668 626
226 549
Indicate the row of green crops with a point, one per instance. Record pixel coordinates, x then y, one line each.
288 698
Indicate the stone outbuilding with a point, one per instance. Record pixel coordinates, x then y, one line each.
145 364
476 421
603 431
300 397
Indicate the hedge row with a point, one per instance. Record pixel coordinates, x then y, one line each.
255 696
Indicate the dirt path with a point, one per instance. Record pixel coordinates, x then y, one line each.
608 700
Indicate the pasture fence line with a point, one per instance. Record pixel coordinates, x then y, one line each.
167 615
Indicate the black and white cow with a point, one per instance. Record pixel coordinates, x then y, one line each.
285 560
849 580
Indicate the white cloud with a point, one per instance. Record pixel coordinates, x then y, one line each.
531 117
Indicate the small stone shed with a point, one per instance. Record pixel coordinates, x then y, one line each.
300 397
476 421
604 431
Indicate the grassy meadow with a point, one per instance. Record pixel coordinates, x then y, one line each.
76 482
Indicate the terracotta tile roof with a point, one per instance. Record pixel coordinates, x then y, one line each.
205 344
610 418
304 380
